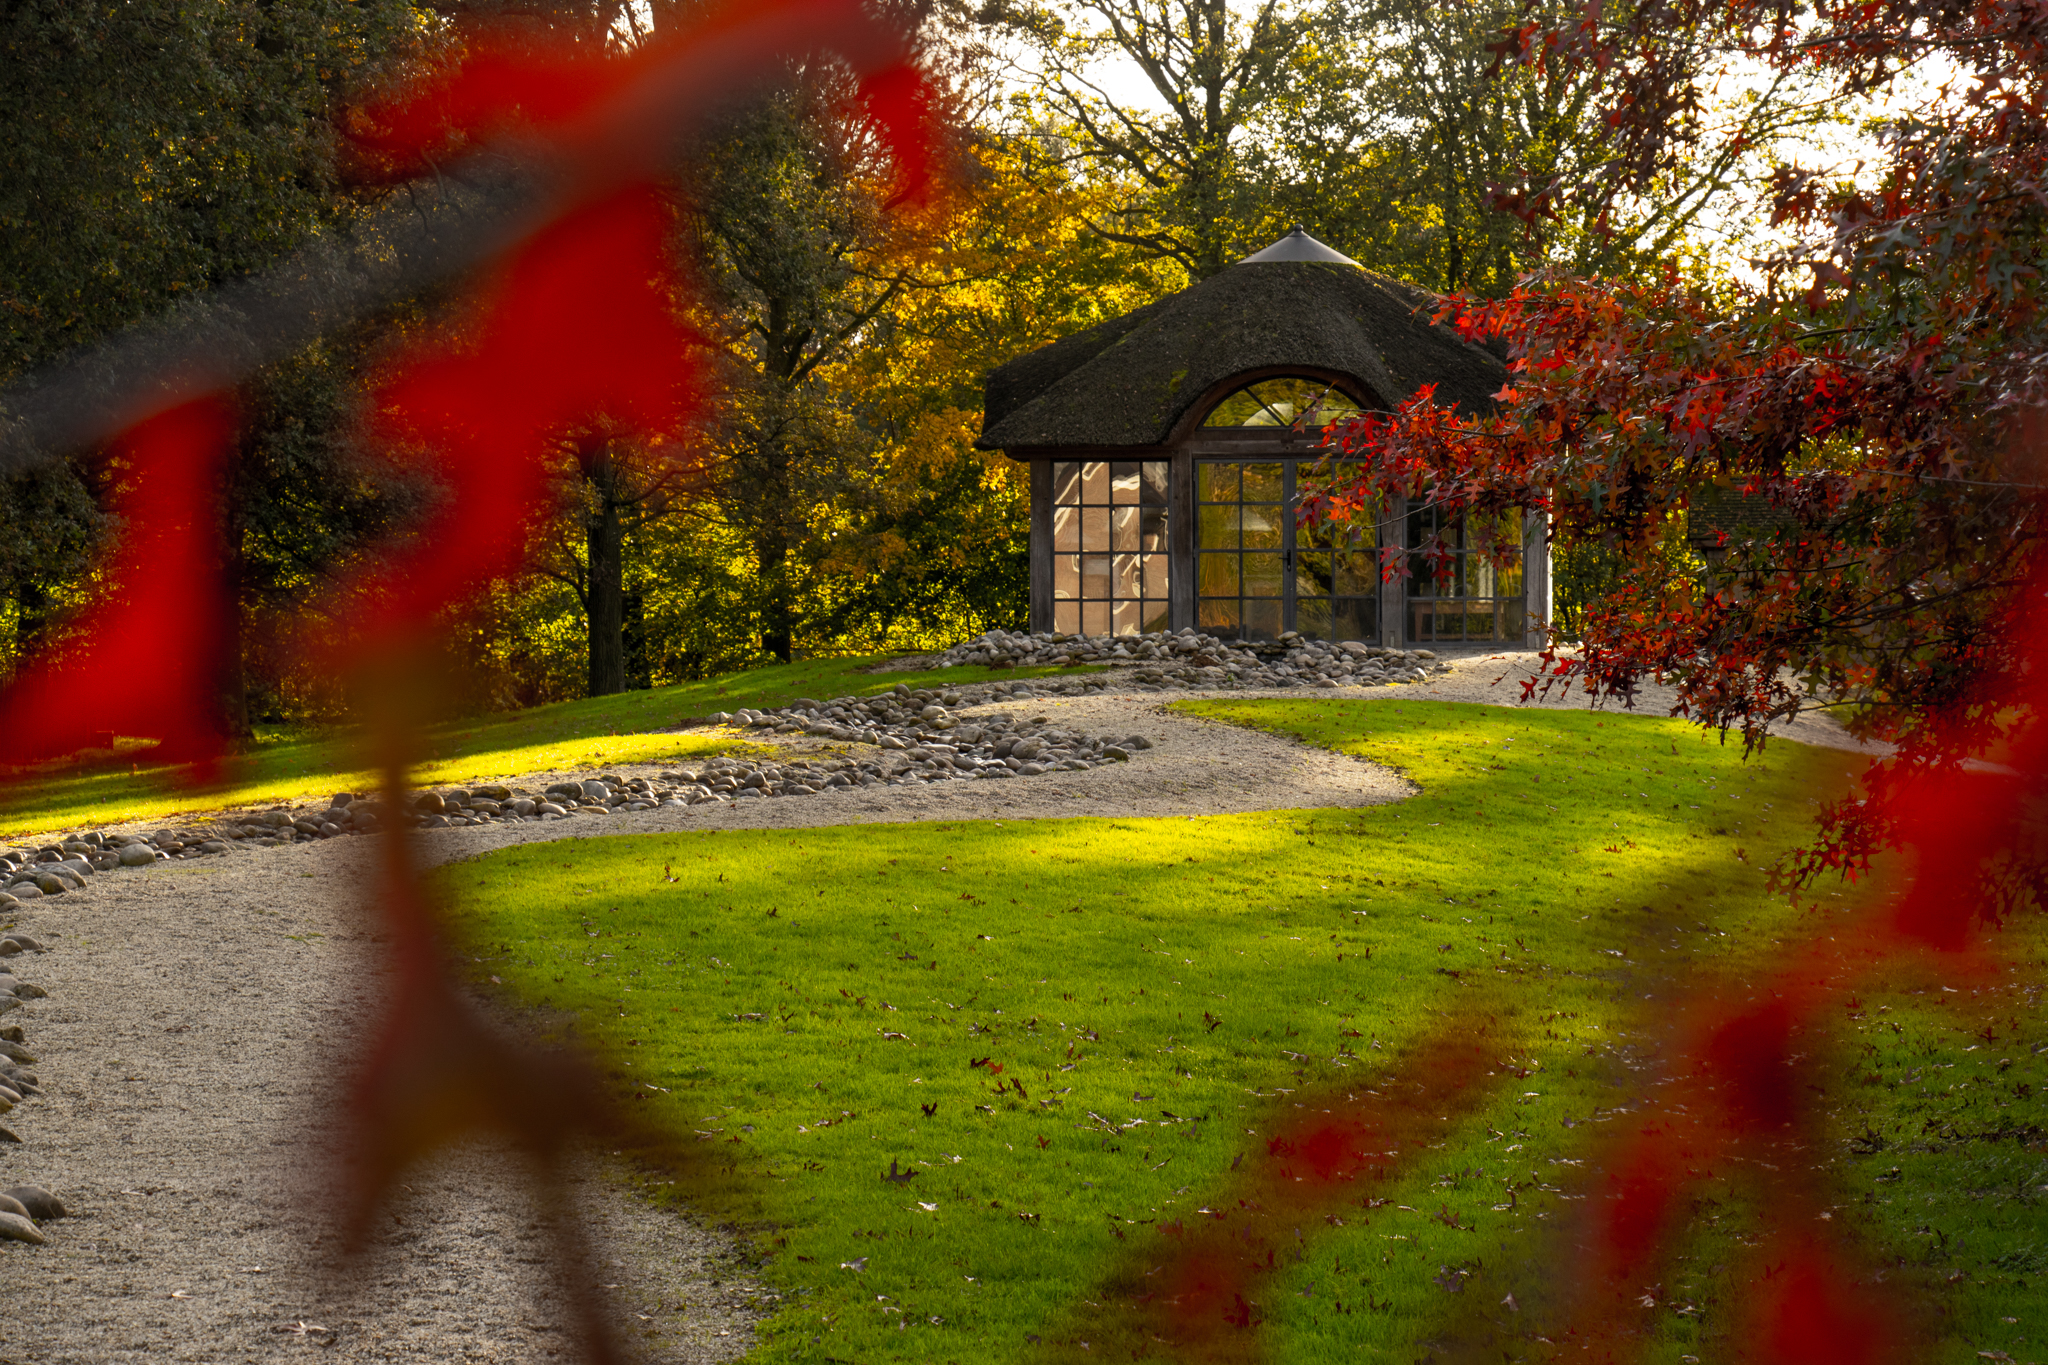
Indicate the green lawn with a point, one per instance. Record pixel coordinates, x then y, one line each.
109 788
1086 1036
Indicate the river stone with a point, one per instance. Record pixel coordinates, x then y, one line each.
29 991
15 1052
9 1204
1116 751
16 1228
50 884
596 789
40 1203
33 945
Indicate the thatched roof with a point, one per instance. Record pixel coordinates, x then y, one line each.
1128 381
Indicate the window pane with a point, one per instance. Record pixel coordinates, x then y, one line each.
1066 483
1508 581
1217 528
1358 572
1312 575
1261 620
1216 482
1123 528
1261 575
1154 474
1123 481
1066 617
1156 616
1095 618
1152 528
1233 411
1312 617
1218 616
1095 483
1263 528
1066 575
1354 618
1066 528
1278 402
1219 576
1262 483
1126 618
1094 576
1126 574
1095 528
1157 576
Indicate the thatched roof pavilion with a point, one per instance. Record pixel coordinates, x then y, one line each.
1169 448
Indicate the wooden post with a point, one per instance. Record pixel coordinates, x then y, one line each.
1041 545
1536 580
1180 540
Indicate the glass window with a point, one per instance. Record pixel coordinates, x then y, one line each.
1109 546
1283 402
1454 592
1263 568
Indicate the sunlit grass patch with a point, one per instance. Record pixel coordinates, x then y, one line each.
1158 994
111 786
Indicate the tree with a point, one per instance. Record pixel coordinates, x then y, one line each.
1217 71
791 222
147 154
1389 126
615 488
1879 395
302 502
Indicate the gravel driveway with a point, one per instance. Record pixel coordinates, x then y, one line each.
201 1015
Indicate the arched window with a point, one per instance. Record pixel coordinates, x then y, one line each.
1281 402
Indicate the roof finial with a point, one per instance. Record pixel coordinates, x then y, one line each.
1297 245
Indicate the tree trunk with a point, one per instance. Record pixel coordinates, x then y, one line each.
232 690
778 616
605 602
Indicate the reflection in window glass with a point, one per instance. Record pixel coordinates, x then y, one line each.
1262 569
1109 563
1282 402
1453 592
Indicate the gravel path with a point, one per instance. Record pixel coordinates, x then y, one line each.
200 1017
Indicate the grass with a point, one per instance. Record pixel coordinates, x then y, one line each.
1109 1017
110 787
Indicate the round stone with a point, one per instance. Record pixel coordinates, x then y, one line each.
16 1228
40 1203
9 1204
50 884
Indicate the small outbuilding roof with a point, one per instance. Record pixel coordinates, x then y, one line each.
1129 381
